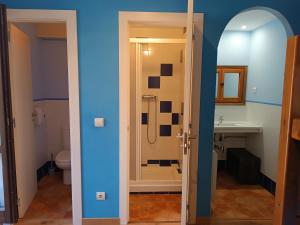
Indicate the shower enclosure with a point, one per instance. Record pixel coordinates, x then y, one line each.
157 82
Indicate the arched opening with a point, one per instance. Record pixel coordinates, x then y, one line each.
249 88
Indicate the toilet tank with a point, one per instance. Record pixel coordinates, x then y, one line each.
66 138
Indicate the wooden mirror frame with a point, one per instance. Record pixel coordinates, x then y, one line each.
221 71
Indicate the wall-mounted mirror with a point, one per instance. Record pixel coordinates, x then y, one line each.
231 84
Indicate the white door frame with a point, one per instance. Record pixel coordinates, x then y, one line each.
125 18
68 17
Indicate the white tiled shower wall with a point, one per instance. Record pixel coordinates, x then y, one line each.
169 149
171 89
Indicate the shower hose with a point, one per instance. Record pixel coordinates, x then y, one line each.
155 122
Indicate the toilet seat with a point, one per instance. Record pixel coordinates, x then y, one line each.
63 161
64 157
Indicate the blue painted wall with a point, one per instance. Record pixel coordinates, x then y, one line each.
267 64
53 69
98 61
263 51
234 48
49 65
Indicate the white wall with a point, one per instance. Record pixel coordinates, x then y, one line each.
57 117
231 112
40 139
264 145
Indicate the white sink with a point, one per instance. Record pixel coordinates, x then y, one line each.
237 127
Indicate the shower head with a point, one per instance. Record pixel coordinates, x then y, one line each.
149 97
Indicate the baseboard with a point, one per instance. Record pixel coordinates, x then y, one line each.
268 184
221 165
155 186
101 221
203 220
44 170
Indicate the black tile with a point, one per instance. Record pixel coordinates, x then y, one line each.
165 130
165 162
154 82
153 161
166 69
175 118
268 184
144 118
175 161
221 165
165 106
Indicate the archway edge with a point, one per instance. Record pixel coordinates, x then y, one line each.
277 14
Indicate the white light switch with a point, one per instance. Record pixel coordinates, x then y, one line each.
99 122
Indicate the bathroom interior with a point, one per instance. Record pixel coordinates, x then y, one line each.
156 113
44 170
249 87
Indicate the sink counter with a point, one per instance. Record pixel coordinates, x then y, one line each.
237 127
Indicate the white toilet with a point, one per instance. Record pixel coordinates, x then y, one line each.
63 158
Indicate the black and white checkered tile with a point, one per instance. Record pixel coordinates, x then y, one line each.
163 163
165 106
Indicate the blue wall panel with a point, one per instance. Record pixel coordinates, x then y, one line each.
263 50
98 61
267 63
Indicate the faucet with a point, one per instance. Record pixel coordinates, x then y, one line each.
221 119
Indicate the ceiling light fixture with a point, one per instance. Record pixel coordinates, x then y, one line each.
147 51
244 27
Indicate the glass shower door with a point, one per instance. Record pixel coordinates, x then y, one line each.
161 96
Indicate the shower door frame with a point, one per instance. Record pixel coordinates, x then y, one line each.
162 19
140 185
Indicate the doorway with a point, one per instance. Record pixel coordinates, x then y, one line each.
69 19
40 103
156 111
249 88
172 186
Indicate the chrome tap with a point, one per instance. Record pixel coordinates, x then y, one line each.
221 119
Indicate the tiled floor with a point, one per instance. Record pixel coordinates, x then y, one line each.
156 172
234 201
155 207
52 205
242 222
229 222
234 205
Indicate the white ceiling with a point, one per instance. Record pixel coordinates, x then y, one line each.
252 19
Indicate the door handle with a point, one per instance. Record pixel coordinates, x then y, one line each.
179 136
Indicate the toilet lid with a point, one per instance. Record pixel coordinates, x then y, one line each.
64 156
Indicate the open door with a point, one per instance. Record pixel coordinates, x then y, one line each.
22 107
8 192
187 115
287 188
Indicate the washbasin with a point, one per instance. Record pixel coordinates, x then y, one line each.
230 124
237 127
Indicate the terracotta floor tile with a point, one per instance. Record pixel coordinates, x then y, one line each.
52 204
246 202
155 207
